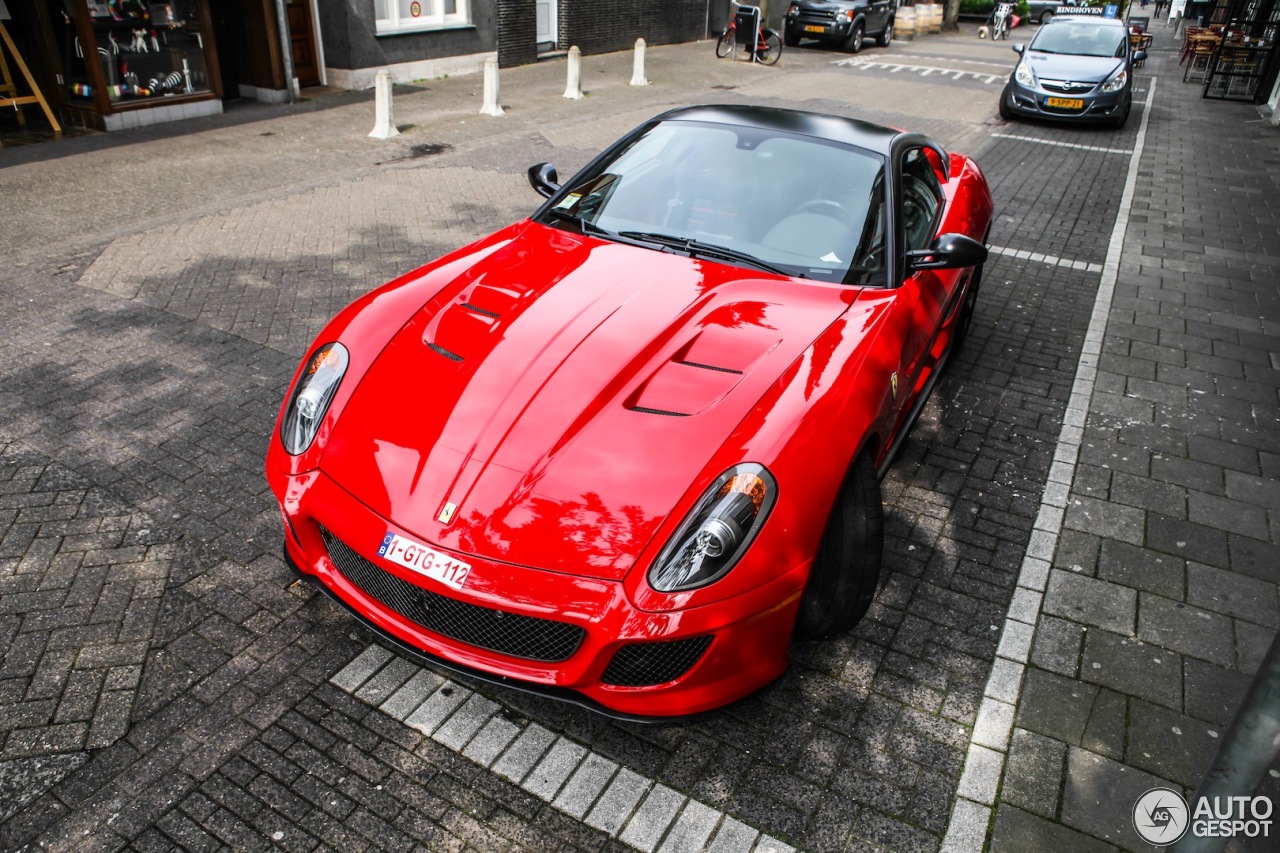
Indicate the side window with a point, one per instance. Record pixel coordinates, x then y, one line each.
921 198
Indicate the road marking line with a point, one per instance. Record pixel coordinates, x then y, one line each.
988 747
923 70
1074 145
638 811
1051 260
1004 65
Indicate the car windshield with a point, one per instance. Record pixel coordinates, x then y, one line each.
747 196
1081 40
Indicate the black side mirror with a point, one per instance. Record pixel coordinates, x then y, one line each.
1019 48
544 179
948 252
1139 57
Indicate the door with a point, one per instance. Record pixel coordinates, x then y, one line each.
306 65
931 294
548 29
878 16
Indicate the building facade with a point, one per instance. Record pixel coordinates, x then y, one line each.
115 64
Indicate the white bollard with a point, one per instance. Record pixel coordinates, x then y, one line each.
491 106
573 88
637 66
384 126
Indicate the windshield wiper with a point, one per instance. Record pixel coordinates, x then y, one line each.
584 227
695 249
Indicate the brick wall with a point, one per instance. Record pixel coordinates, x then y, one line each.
517 33
600 26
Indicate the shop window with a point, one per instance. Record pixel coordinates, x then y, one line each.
122 52
407 16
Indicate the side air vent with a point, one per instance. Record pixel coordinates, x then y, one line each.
452 356
643 664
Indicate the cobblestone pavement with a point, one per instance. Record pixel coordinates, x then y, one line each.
1081 573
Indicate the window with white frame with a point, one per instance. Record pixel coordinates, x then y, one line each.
405 16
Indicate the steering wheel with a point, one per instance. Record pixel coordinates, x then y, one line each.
825 207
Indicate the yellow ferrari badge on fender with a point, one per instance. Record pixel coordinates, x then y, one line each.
893 385
447 513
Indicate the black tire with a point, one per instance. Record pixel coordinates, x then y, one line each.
853 43
1005 112
846 570
886 38
790 39
772 49
1045 16
966 311
724 44
1119 121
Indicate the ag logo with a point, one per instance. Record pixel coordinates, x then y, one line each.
1160 816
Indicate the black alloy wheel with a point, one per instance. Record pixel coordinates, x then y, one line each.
846 570
965 320
853 43
886 38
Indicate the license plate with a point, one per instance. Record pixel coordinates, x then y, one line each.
424 560
813 29
1065 103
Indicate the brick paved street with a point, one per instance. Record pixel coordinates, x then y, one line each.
1081 568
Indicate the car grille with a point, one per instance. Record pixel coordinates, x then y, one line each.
643 664
496 630
818 14
1068 87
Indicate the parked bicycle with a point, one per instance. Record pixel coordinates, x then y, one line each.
765 44
1001 19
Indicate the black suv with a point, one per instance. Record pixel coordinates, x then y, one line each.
847 22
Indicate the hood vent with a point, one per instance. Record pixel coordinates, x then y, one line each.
452 356
709 367
479 310
662 412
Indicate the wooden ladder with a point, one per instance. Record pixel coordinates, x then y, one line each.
9 96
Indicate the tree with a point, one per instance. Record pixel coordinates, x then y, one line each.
951 15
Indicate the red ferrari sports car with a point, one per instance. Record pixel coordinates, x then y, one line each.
619 452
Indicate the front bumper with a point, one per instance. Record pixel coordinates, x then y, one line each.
604 651
1093 105
826 29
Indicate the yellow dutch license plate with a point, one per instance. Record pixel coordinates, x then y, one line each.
813 29
1065 103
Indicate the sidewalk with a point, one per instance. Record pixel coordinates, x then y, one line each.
1082 562
1161 598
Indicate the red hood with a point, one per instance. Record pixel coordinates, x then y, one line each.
564 393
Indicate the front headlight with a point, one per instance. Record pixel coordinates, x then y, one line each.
716 533
793 10
312 396
1024 76
844 16
1116 83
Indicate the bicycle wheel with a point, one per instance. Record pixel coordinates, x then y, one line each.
772 49
725 43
